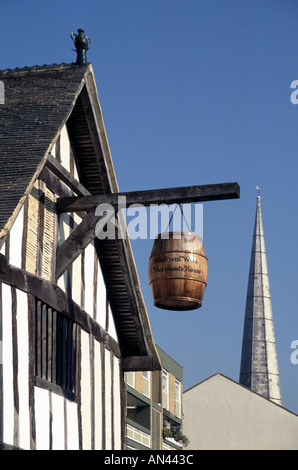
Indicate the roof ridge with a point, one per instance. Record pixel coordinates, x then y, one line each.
34 68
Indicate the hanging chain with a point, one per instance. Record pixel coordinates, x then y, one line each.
181 209
184 217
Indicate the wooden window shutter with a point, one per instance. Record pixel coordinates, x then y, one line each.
32 230
55 348
48 235
156 429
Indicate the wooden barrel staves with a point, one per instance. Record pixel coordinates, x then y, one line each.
178 271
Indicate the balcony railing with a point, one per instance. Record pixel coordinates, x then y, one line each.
138 435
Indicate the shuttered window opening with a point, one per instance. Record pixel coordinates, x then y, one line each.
48 235
55 349
32 230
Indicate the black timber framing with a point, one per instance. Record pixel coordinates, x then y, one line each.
52 295
74 245
122 293
178 195
79 109
88 142
65 176
56 298
85 232
124 296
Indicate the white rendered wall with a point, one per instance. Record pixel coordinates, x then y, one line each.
23 370
15 244
8 398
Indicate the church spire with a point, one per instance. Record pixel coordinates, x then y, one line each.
259 369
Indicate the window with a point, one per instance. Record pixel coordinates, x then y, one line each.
178 398
55 349
130 379
165 389
146 383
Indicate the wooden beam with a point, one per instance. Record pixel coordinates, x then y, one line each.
77 241
80 237
65 176
179 195
137 363
52 295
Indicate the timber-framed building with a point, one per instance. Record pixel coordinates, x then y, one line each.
72 315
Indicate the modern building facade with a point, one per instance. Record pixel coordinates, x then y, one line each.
154 407
221 414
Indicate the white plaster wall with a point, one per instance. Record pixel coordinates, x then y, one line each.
58 423
101 298
64 232
8 403
117 405
112 329
98 408
72 425
42 417
76 280
63 415
85 390
16 237
89 279
65 149
23 369
12 435
108 400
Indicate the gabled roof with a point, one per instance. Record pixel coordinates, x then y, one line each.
219 377
39 101
221 414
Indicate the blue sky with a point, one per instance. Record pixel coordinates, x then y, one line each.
194 92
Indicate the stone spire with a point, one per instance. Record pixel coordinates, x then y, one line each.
259 369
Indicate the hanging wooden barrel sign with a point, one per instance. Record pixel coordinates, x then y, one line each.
178 271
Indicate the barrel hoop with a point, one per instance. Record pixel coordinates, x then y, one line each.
180 279
193 299
177 251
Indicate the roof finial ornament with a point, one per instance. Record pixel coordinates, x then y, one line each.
258 189
82 44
